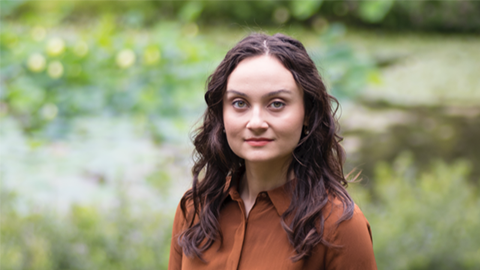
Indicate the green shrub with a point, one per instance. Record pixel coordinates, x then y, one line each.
423 220
53 77
85 238
421 15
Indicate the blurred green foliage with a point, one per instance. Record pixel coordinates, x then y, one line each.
374 11
50 78
423 219
422 15
85 238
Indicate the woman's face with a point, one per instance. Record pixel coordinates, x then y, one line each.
263 110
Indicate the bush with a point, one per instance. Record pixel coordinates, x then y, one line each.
52 78
423 220
86 238
422 15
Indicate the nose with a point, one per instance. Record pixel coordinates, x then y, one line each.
257 121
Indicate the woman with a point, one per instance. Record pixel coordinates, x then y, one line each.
268 187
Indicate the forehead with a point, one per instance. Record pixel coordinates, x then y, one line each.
261 74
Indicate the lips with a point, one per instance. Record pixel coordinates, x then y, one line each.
258 141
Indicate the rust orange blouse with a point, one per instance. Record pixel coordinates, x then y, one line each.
260 242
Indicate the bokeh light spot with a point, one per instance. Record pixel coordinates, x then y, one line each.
55 46
36 62
281 15
320 24
55 70
190 29
49 111
125 58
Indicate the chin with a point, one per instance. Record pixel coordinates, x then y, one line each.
259 158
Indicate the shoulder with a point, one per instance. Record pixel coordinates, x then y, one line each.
357 224
351 239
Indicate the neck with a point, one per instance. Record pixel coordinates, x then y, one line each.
263 176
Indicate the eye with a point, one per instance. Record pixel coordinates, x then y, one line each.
277 105
239 104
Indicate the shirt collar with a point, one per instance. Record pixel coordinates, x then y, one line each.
280 196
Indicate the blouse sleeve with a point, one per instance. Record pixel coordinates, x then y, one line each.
353 248
175 260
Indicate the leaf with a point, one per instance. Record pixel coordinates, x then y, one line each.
304 9
375 11
190 11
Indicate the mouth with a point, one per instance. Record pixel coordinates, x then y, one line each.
258 141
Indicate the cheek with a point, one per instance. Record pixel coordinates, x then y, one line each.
292 133
234 140
292 125
233 129
228 122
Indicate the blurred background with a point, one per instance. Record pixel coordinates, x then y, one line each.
98 98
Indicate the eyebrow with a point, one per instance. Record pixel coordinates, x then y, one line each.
266 95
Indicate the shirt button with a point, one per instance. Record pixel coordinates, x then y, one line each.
263 194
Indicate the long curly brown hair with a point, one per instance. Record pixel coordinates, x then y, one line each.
317 161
